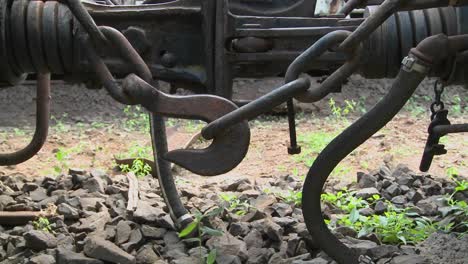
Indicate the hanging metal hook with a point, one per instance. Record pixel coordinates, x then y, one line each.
226 151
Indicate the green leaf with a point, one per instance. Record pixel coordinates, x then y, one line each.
188 230
211 231
211 258
354 215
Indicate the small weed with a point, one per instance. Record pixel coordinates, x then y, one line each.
60 125
202 230
19 132
313 143
42 224
235 205
62 156
340 113
138 151
139 168
292 197
137 119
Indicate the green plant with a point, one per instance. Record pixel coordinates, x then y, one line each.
138 150
339 112
137 119
292 197
198 226
346 201
313 143
235 205
139 168
42 224
62 156
60 124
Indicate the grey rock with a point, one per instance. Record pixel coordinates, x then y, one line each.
94 222
145 213
42 259
253 215
68 212
107 251
263 201
29 187
282 209
38 195
64 256
269 228
234 187
94 184
39 240
122 232
166 222
259 255
432 189
399 200
361 246
228 245
136 239
318 260
366 211
380 207
393 190
366 180
428 208
367 193
346 231
383 251
153 232
90 203
415 196
228 259
146 255
5 200
254 239
410 259
197 252
239 229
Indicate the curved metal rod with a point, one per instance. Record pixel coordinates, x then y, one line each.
128 53
42 125
300 64
402 89
87 22
227 149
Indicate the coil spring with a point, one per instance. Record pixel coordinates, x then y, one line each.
392 41
39 36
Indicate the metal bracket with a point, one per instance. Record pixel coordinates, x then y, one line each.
411 63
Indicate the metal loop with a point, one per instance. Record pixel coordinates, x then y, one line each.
300 64
127 52
42 125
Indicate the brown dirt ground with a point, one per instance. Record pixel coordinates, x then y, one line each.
401 141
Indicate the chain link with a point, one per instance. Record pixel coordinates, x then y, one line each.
437 105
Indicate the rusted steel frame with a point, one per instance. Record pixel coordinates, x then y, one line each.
324 44
225 152
450 129
435 51
256 107
126 51
42 125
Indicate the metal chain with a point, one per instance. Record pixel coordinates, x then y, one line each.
437 105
